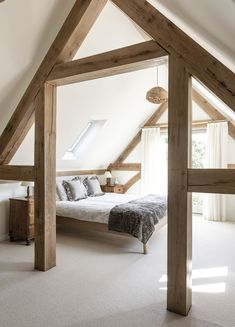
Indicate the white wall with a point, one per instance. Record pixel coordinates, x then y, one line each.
7 190
27 28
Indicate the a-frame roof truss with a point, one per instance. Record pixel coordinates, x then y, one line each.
187 58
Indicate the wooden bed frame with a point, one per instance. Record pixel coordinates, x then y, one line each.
101 227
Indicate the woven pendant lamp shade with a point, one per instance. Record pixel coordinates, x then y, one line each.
157 95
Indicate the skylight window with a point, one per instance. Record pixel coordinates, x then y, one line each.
79 138
84 139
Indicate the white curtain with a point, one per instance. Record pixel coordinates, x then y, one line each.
214 205
152 165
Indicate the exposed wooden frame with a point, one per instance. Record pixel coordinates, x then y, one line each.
81 172
45 179
69 39
214 114
211 181
179 288
124 60
125 166
29 121
186 57
132 181
200 63
17 173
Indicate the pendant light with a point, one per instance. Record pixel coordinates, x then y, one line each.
157 94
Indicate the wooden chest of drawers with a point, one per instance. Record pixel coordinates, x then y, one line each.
113 189
21 219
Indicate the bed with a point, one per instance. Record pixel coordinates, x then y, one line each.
104 213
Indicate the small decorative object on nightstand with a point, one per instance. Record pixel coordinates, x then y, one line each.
113 189
21 219
28 185
108 177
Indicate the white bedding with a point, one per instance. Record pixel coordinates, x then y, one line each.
94 209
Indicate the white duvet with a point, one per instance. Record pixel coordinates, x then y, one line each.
94 209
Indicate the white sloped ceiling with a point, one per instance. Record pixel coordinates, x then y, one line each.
209 22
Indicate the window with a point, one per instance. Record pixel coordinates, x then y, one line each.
84 139
198 161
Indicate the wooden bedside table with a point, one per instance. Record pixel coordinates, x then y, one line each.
21 219
113 189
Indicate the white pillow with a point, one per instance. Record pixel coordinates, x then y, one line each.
93 186
75 190
60 190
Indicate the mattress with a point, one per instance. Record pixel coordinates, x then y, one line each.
94 209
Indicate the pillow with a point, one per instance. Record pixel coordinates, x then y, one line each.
93 186
60 190
75 190
57 197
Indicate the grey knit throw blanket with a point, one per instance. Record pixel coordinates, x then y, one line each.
138 217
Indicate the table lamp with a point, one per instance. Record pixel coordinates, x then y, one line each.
28 185
108 177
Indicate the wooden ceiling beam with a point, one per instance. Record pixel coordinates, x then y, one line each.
125 166
81 172
69 39
211 181
200 63
135 57
132 181
17 173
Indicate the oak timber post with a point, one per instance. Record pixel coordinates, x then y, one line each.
179 294
45 177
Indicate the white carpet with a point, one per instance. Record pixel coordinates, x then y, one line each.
102 281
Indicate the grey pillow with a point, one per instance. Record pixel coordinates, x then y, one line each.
75 190
93 186
57 197
60 190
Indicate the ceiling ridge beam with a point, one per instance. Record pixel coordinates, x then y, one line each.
200 63
67 42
